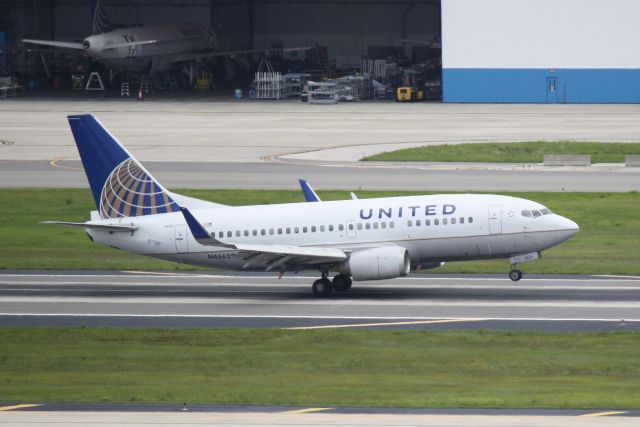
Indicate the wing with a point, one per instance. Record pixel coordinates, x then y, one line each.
66 45
273 256
209 53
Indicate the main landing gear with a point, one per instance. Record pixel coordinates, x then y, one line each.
515 274
323 286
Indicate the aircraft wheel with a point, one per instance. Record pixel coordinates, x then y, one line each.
321 287
341 283
515 275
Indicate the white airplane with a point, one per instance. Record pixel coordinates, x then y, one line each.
362 239
154 48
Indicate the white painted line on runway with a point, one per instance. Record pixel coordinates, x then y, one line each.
307 317
305 411
614 276
21 406
365 325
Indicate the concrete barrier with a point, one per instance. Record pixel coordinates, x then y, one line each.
632 160
567 159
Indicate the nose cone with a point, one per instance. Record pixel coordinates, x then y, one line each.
565 228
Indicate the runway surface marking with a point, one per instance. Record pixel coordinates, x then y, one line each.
306 410
365 325
54 163
603 414
266 316
22 406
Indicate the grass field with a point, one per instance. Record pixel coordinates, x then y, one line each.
333 368
510 152
608 242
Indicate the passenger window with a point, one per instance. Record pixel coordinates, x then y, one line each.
255 232
453 220
418 223
313 228
271 231
375 225
322 228
263 232
383 224
391 224
296 230
409 223
461 220
436 221
279 230
331 228
470 219
221 235
304 229
238 233
359 226
427 222
288 229
444 221
229 234
367 225
350 226
246 233
340 227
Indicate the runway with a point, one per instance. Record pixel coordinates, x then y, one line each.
345 176
435 302
175 415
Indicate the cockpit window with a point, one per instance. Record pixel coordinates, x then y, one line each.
536 214
545 211
526 213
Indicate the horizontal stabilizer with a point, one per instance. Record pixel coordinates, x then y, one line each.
66 45
110 227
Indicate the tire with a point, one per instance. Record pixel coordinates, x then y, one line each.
515 275
341 283
321 287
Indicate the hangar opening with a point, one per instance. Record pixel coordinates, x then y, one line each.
392 42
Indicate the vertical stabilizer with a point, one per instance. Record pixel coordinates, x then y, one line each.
100 21
121 186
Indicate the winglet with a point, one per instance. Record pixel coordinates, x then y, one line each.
309 194
198 232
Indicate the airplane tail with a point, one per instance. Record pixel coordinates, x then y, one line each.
121 186
100 21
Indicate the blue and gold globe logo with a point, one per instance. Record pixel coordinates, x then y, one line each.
130 191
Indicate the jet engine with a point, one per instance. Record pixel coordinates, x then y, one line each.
384 262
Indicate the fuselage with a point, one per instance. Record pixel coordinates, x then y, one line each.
433 229
167 40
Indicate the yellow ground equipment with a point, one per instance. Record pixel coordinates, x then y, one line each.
408 94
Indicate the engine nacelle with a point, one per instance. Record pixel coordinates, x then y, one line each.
385 262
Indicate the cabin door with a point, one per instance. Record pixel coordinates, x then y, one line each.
495 219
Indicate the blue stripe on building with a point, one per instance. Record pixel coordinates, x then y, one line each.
541 85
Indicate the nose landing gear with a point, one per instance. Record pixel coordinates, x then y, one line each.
515 274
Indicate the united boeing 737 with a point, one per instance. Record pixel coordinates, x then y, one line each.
357 239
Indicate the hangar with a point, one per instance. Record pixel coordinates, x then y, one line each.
541 51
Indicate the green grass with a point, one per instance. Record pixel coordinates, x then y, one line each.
608 241
333 368
510 152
